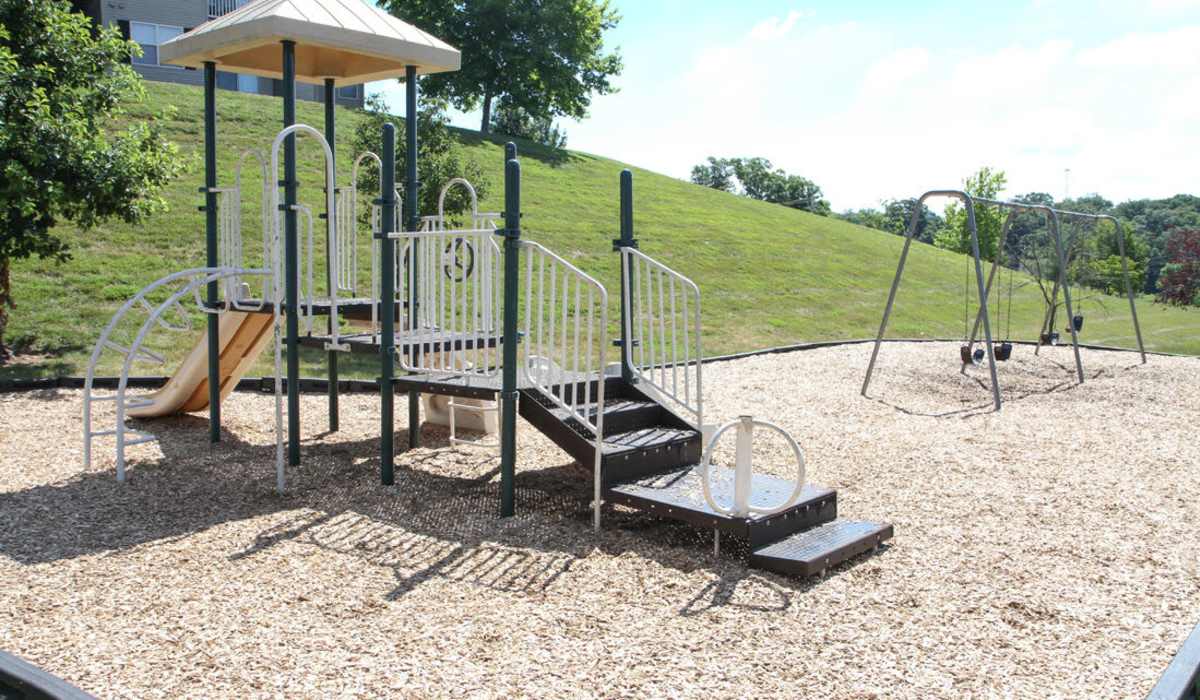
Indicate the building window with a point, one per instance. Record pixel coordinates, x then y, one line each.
350 92
149 37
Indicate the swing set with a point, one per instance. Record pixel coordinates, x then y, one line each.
971 352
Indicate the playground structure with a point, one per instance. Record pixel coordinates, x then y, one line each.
991 351
445 305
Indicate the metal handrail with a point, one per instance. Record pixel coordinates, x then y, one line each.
658 331
561 358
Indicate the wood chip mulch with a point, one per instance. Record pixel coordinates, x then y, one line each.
1045 551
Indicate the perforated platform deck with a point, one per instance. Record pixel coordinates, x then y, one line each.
678 494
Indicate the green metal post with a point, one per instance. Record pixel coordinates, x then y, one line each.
331 138
387 309
510 151
627 276
411 189
508 394
291 254
210 243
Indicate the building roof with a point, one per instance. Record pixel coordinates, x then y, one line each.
349 41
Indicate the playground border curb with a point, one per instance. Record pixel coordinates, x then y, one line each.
29 681
365 386
1178 681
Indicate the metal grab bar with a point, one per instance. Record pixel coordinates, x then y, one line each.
664 320
566 344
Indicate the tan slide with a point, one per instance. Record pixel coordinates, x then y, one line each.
242 337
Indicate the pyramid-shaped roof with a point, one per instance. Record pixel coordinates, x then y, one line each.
349 41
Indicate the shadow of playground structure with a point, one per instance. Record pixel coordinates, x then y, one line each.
431 524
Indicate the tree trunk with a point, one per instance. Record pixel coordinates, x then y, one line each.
486 127
5 304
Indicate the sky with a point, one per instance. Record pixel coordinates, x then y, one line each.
879 99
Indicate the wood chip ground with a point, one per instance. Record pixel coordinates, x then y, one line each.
1046 551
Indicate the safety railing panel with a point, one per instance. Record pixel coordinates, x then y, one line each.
565 342
160 305
450 284
663 328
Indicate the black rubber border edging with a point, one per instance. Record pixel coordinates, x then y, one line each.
21 679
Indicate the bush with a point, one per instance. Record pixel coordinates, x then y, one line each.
440 157
511 120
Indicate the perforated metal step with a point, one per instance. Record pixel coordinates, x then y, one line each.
816 550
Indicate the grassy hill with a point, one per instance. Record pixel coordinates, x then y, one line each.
769 275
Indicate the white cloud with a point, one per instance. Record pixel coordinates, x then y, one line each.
890 73
775 28
1175 48
867 119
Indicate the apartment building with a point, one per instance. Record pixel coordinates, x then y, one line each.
153 22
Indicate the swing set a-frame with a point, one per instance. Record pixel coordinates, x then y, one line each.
991 351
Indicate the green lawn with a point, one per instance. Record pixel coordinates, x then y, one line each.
769 275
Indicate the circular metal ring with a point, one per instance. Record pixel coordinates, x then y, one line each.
705 471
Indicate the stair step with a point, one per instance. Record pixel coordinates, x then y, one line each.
816 550
646 439
620 414
678 494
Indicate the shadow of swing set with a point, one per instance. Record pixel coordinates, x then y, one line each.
973 354
475 313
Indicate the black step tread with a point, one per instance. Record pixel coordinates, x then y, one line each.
647 438
679 491
816 550
611 407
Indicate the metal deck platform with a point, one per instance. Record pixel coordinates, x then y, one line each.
678 494
406 342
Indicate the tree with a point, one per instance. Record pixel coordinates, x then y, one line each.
717 173
62 86
1181 275
440 158
896 217
759 180
511 120
544 56
987 184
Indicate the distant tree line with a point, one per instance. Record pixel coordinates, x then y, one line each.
1162 237
757 179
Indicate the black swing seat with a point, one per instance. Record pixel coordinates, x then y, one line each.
971 358
1003 351
1077 322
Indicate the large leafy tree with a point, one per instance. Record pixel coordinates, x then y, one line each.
546 57
62 84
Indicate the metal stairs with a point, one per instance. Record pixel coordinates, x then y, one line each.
649 460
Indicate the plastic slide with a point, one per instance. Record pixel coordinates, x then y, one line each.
242 337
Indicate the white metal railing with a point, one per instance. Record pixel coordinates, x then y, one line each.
216 8
230 239
663 325
156 301
566 343
306 293
449 283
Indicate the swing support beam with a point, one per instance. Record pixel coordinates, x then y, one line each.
969 204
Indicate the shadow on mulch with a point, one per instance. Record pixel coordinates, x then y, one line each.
429 525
